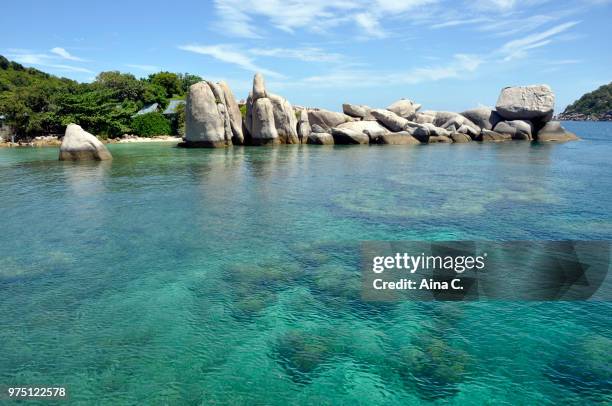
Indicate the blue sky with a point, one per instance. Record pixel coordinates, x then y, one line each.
447 55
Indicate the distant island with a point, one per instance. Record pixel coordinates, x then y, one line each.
593 106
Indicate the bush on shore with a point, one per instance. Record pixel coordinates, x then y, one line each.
150 124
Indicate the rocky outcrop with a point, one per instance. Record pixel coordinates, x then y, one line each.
320 139
359 111
405 108
554 131
535 102
213 119
204 121
212 116
258 122
79 145
303 127
518 129
390 120
483 117
327 119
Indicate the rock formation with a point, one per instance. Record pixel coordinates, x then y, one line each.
213 119
270 118
212 116
526 103
79 145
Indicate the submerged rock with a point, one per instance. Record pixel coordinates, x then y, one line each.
79 145
526 103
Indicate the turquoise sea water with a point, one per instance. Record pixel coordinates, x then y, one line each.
230 276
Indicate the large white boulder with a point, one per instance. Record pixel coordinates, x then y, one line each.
284 119
264 132
526 103
206 117
79 145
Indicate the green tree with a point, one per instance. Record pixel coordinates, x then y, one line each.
170 82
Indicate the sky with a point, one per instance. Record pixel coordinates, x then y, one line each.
446 55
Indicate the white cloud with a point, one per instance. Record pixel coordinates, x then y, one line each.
369 22
146 68
517 48
307 54
50 61
461 64
61 52
227 53
454 23
237 16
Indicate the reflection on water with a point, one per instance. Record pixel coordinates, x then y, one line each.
230 276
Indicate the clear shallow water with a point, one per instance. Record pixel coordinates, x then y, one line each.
185 276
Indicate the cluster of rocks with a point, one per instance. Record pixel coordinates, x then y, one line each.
521 113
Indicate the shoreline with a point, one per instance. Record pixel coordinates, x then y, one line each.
51 141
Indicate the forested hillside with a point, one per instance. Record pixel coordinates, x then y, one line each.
36 103
596 105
